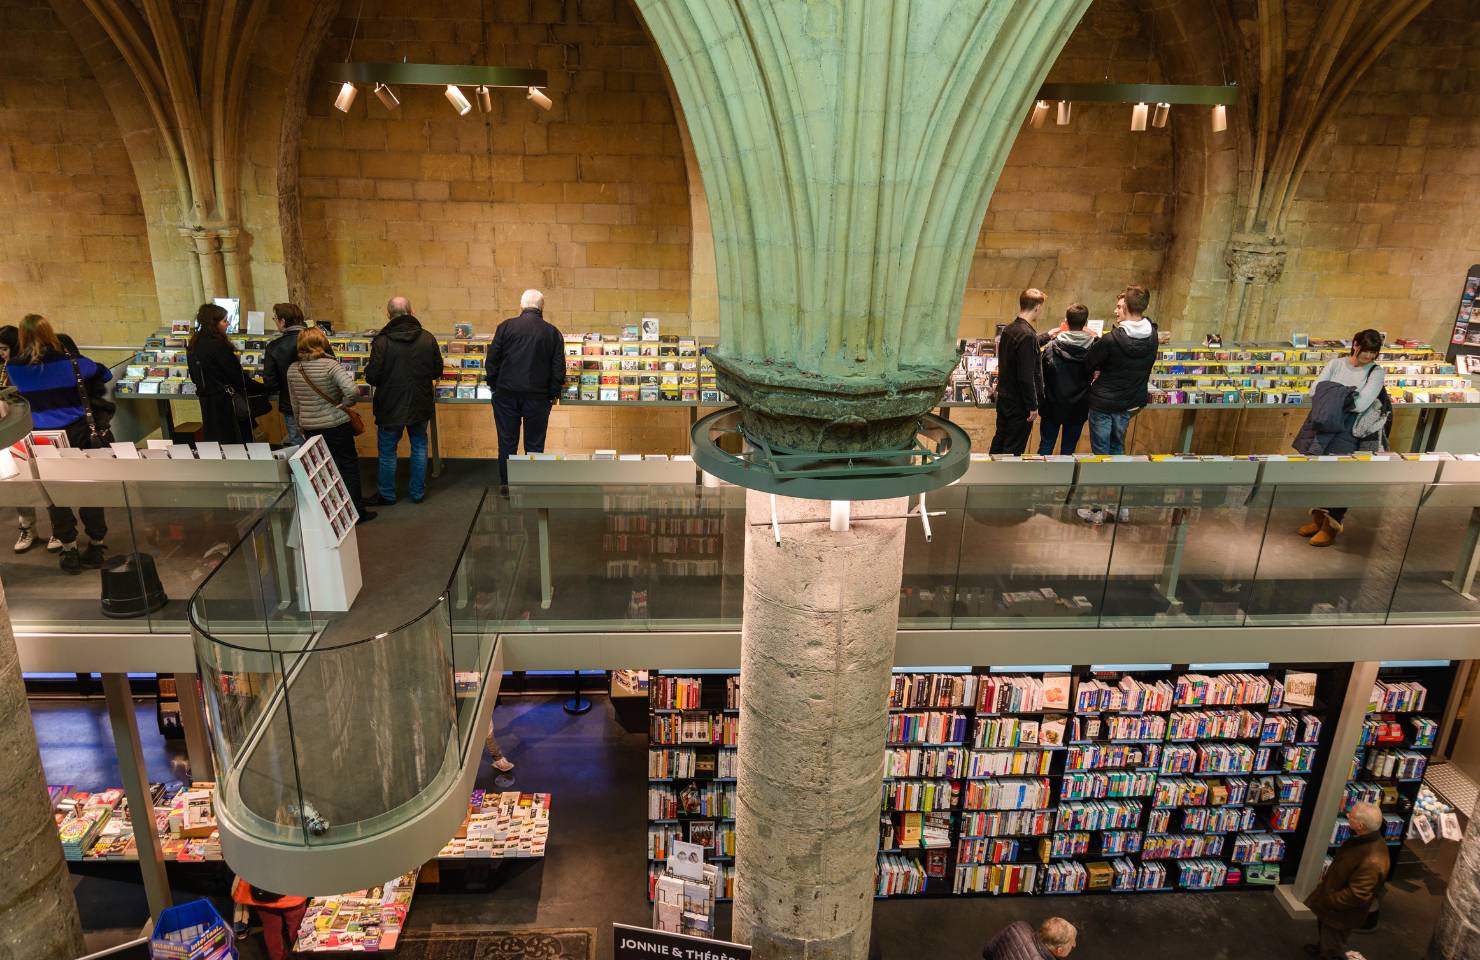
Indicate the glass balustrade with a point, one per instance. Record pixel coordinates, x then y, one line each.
634 558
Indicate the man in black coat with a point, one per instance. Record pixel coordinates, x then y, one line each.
526 371
281 354
1065 382
1019 376
405 363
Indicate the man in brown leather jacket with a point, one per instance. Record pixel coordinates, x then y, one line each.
1357 872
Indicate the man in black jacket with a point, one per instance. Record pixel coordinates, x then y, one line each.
1019 376
1065 383
526 371
405 362
1120 363
281 354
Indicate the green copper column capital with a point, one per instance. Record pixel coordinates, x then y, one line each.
848 150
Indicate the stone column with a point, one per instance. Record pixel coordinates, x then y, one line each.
207 247
38 917
234 270
1255 262
816 650
1457 934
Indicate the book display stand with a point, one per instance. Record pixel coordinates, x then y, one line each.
326 523
692 732
1070 780
1404 716
684 904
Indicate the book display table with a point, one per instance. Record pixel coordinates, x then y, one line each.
501 826
362 921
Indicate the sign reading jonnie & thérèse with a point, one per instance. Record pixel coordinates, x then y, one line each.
640 943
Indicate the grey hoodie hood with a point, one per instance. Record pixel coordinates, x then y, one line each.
1076 338
1139 329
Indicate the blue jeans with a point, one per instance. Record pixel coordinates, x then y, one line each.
1050 425
386 439
1107 432
294 436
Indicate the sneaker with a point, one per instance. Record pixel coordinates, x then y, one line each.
95 556
503 765
1092 515
417 499
1124 516
26 540
366 516
376 500
71 560
53 545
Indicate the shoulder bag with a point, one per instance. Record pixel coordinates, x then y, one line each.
356 422
95 438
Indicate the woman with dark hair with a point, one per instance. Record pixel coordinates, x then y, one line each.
65 393
1364 418
223 387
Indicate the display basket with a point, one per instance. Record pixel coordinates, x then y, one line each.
191 931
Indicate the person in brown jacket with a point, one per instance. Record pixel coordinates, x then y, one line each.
1357 872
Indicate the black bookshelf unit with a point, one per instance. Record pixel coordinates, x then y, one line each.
1071 781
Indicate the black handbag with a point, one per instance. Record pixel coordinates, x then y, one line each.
96 439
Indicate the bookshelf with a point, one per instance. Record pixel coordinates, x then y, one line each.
693 727
1405 711
1060 783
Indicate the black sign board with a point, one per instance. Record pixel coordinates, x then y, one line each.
640 943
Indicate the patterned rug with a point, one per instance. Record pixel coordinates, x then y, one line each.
485 943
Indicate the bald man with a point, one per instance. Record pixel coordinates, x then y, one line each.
405 363
1350 885
526 370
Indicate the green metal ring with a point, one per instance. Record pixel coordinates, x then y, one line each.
855 475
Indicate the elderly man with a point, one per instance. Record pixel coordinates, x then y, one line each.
1357 872
1055 937
526 371
405 363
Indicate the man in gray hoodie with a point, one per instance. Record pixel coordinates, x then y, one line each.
1065 383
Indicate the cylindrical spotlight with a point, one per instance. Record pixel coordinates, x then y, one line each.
539 99
1159 115
1138 117
485 99
346 98
387 96
1040 113
1220 118
1065 107
459 102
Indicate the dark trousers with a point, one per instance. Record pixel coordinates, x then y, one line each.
509 410
1337 513
1332 942
280 929
64 523
1052 421
341 443
1013 427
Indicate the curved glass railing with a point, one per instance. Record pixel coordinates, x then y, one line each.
323 737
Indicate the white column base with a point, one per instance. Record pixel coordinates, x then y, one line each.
1285 894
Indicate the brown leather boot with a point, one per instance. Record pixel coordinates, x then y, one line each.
1317 521
1327 534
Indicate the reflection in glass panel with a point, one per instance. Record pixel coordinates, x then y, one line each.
1350 581
1440 566
1184 555
1028 559
43 591
930 566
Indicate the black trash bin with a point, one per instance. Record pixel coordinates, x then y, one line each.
131 586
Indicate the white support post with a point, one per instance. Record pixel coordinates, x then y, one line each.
136 789
838 516
1333 787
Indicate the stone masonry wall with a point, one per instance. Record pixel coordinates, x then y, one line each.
1080 210
74 245
1385 222
588 202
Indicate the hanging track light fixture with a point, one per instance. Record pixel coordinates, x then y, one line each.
484 80
1217 96
346 98
1040 114
386 96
